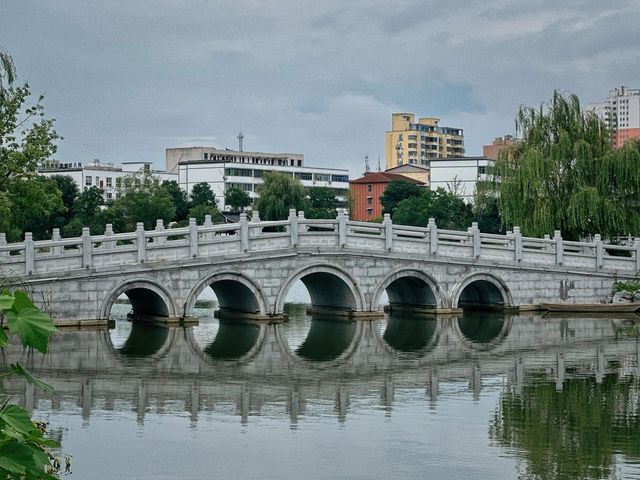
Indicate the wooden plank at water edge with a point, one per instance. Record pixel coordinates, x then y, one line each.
595 307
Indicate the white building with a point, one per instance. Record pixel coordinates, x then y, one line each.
621 113
222 169
105 176
458 175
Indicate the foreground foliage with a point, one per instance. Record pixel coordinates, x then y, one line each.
24 449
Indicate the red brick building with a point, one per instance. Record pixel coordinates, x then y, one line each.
365 193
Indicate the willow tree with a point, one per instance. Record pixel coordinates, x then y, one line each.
278 193
564 175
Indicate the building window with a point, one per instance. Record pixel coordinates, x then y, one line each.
369 201
109 196
482 170
238 172
109 182
369 211
118 183
340 178
87 180
304 176
322 177
369 188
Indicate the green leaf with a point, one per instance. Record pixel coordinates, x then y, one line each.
32 327
20 370
21 301
17 418
6 301
18 457
4 340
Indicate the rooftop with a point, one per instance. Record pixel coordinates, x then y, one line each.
384 177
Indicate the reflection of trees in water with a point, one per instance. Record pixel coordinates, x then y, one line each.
481 327
573 433
234 339
144 339
327 339
406 333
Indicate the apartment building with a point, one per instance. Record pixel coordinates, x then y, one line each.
621 113
415 143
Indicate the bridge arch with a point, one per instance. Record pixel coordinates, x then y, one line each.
328 286
147 297
234 291
408 286
481 290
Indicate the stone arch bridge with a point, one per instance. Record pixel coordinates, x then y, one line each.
345 265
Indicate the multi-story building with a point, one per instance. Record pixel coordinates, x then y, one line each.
222 169
105 176
621 113
499 144
365 193
458 175
411 143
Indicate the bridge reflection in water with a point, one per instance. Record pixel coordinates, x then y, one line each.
583 368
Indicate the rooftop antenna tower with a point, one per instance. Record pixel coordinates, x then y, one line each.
379 164
367 169
240 139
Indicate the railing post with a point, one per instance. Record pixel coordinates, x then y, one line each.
433 236
255 218
597 239
517 241
636 243
208 223
162 239
557 237
29 254
293 227
388 232
86 247
302 227
108 232
193 238
55 236
244 233
141 242
3 242
342 229
475 238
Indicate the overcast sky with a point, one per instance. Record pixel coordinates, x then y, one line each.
127 79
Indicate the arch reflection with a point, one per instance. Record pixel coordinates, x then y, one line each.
410 333
483 328
144 340
327 339
235 338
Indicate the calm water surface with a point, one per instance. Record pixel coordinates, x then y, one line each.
475 396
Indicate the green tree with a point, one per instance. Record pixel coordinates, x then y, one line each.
201 194
199 211
179 197
322 203
277 194
236 199
564 175
143 199
27 138
448 210
35 206
486 209
396 191
88 204
24 449
69 190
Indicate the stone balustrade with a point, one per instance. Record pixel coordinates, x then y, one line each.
111 250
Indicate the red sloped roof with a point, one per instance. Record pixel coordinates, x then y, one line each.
384 177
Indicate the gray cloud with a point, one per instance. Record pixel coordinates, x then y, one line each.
128 79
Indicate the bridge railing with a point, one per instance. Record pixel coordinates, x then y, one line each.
115 250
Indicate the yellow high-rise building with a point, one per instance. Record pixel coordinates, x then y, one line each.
410 143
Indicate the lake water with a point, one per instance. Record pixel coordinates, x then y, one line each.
468 397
